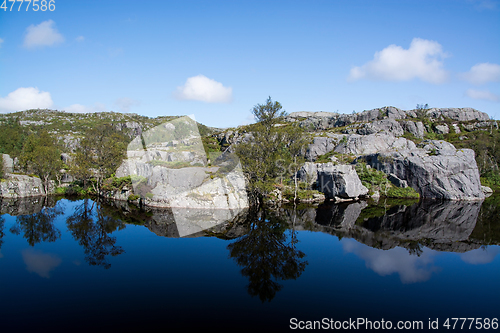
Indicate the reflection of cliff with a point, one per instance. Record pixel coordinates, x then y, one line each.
183 222
442 226
25 206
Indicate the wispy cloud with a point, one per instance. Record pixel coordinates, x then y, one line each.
201 88
24 99
80 39
115 51
422 60
44 34
126 103
1 41
482 94
40 263
482 73
79 108
484 4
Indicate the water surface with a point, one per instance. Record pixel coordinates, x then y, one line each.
88 266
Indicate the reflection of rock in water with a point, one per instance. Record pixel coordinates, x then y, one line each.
182 222
443 226
25 206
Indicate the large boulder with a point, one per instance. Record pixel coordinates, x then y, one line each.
339 181
437 170
415 128
308 173
21 186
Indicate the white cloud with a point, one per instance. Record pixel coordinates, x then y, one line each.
482 73
482 94
411 268
39 262
125 103
43 34
201 88
480 256
24 99
79 108
80 39
1 41
422 60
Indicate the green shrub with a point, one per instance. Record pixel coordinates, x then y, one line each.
399 192
133 197
60 190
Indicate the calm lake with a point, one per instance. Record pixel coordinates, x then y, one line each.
79 265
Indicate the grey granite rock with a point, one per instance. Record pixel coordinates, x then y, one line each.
21 186
339 181
415 128
442 129
437 170
370 144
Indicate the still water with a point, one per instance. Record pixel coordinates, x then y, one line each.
79 265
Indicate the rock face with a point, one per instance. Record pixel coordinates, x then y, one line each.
340 181
370 144
327 120
20 186
437 170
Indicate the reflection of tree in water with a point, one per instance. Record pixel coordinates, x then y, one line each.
39 227
92 232
2 222
267 255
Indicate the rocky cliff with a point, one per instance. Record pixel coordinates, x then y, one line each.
391 140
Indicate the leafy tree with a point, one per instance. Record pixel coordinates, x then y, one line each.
267 155
98 156
1 166
421 110
2 222
12 137
41 156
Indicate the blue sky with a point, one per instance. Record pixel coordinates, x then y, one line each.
217 59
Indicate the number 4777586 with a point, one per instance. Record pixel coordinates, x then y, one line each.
36 5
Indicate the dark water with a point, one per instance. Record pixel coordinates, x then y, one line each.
83 266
